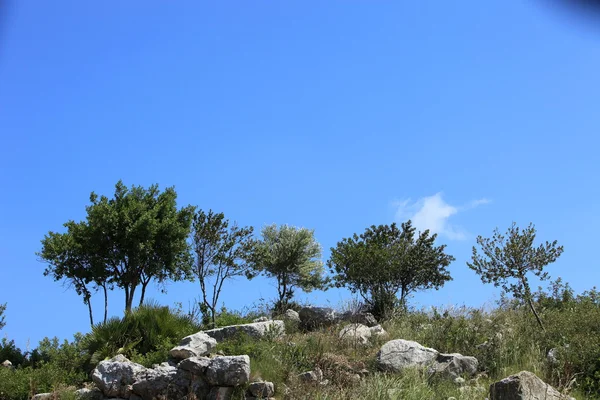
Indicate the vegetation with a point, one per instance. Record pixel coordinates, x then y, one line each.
386 260
506 260
137 237
293 257
221 254
2 321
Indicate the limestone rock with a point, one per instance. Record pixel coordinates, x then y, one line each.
317 317
196 345
398 354
114 377
356 333
292 316
454 365
377 330
256 330
314 376
228 370
195 365
524 386
165 381
261 319
261 389
7 364
43 396
89 394
363 318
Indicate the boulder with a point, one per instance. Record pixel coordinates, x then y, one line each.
114 377
261 389
314 376
195 365
89 394
255 330
165 381
524 386
7 364
356 333
363 318
292 316
261 319
317 317
196 345
453 366
228 370
398 354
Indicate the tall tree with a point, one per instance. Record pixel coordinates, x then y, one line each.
221 253
506 260
293 257
386 260
137 237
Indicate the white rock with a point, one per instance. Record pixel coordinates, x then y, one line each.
196 345
398 354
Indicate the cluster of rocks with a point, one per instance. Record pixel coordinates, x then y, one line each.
311 318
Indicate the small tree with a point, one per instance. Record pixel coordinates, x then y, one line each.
292 256
2 309
221 254
506 260
385 261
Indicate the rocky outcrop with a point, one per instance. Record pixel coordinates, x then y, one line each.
261 390
228 370
524 386
360 334
396 355
116 376
257 330
89 394
291 316
363 318
196 345
317 317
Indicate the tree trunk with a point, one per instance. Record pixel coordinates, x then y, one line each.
530 302
144 285
105 302
89 304
129 294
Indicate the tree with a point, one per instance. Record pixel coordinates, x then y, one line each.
75 260
292 256
2 309
385 260
506 260
221 254
137 237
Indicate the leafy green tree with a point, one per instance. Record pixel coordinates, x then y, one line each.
137 237
385 261
506 260
292 256
2 309
221 253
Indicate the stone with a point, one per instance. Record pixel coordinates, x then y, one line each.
292 316
524 386
43 396
256 330
228 370
453 366
220 393
314 376
317 317
378 331
261 389
7 364
196 345
114 377
165 381
195 365
89 394
552 357
356 333
398 354
363 318
261 319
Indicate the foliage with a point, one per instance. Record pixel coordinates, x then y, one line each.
148 328
221 254
506 261
385 260
127 241
292 256
9 351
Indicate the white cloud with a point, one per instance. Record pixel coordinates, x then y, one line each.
433 213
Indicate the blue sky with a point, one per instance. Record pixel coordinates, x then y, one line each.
333 115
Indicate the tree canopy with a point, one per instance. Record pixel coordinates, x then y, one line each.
221 252
385 261
292 256
128 241
506 260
